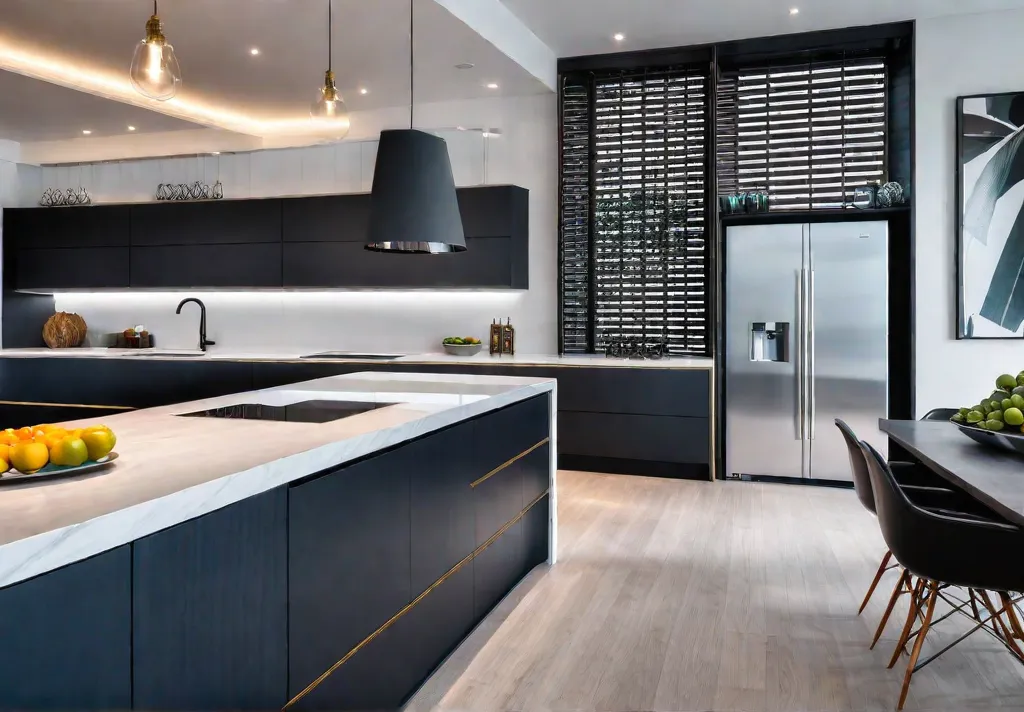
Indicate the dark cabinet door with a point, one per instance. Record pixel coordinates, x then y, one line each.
79 226
640 391
65 637
494 210
269 374
200 266
206 223
634 437
70 268
497 569
389 669
18 416
210 623
443 521
536 533
121 382
485 263
327 218
348 564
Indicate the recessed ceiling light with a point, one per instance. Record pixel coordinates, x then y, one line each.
618 37
364 90
215 153
86 131
464 65
254 51
794 11
131 128
492 85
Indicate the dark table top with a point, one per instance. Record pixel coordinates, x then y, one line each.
993 477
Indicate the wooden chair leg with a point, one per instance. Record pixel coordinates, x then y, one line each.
933 588
882 568
1011 613
915 604
1003 631
897 591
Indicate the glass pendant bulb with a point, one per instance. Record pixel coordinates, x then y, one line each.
329 106
155 72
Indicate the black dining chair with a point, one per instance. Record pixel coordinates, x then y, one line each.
943 551
940 414
923 486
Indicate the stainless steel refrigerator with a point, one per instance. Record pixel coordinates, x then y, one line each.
806 341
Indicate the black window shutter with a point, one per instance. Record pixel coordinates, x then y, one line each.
808 132
633 213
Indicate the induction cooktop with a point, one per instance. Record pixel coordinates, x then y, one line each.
311 411
353 355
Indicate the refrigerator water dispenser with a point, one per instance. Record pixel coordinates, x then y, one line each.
769 341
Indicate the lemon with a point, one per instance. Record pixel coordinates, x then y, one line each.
69 452
98 442
4 467
27 457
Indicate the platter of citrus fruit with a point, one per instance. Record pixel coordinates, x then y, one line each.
44 451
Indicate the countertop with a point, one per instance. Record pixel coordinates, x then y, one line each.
173 469
481 359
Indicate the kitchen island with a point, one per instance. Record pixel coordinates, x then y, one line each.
253 564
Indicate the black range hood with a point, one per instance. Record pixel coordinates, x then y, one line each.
413 207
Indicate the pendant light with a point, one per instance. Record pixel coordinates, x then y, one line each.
329 105
155 72
413 207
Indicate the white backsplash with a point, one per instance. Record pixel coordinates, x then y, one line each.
408 322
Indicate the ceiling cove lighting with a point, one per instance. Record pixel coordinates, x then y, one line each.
155 72
413 207
329 106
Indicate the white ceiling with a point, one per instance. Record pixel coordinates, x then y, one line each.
577 27
213 38
31 110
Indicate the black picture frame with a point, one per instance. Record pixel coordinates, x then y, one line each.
964 330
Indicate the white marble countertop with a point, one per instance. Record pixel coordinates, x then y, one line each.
481 359
172 469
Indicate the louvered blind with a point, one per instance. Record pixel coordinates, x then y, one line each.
807 133
634 258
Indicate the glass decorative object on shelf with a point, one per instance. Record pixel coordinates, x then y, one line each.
155 72
193 191
53 197
890 195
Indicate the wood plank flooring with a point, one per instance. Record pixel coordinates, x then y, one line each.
676 596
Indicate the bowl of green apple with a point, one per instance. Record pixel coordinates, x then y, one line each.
997 420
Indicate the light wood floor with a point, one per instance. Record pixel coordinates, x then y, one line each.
688 597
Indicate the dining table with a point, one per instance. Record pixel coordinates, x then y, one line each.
993 477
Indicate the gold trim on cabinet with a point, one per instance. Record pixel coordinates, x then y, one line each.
368 639
69 405
505 464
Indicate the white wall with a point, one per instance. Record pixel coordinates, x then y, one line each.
405 321
956 56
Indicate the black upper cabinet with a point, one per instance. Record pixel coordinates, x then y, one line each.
82 226
239 266
327 218
309 242
324 239
74 268
228 222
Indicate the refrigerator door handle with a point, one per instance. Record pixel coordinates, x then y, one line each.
811 385
801 329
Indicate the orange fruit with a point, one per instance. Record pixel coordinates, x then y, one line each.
8 437
103 429
25 433
28 457
4 467
5 454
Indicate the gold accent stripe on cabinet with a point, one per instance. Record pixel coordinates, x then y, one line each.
408 607
505 464
69 405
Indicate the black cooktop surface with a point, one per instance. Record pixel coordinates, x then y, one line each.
353 354
311 411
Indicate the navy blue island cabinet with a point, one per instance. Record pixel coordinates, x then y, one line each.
343 590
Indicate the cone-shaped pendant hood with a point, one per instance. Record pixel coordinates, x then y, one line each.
413 207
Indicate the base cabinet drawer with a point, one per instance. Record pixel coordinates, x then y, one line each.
634 437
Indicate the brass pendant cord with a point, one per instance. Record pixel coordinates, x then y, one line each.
330 35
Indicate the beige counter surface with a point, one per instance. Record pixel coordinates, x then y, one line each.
172 469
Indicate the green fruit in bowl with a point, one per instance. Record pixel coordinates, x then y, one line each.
996 415
975 416
958 418
994 425
1007 403
1013 416
1007 382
